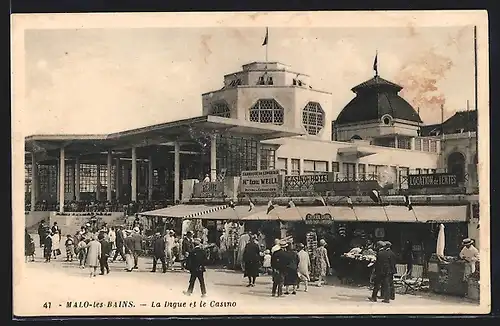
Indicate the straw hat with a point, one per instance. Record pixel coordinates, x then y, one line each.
467 241
136 229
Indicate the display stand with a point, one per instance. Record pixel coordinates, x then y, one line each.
446 276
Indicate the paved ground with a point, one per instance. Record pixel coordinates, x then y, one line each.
60 282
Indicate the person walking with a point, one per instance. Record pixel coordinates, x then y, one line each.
322 261
169 248
129 251
29 246
47 246
382 271
42 232
93 255
291 275
195 263
119 240
112 240
304 266
251 261
187 247
105 253
392 262
81 249
278 264
137 239
159 252
408 257
56 243
69 244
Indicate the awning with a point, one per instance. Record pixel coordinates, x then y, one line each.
184 211
398 214
228 213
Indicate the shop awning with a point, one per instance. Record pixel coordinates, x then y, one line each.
398 214
184 211
228 213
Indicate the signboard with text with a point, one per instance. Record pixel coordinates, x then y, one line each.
303 185
318 219
260 181
436 180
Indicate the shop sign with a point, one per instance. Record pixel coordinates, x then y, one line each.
208 190
260 181
304 184
319 218
436 180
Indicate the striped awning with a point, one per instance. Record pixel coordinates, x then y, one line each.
184 211
397 214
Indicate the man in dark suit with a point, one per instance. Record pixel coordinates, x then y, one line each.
279 263
159 252
105 253
119 243
137 239
195 263
187 247
393 258
383 271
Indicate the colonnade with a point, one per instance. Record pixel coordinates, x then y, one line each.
109 161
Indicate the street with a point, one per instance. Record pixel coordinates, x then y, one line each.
62 288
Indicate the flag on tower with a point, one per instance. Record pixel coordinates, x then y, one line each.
270 206
231 204
408 202
349 202
375 64
266 37
375 196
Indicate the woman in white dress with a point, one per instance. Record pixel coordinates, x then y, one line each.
304 266
56 239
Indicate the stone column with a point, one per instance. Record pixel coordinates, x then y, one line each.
98 188
108 177
356 171
77 178
58 172
301 166
118 179
34 181
259 155
396 142
398 177
61 180
133 182
289 166
150 177
412 143
213 158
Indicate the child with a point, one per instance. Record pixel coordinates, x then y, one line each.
82 252
267 262
70 247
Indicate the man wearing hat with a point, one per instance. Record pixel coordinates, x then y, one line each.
382 271
195 263
278 264
470 254
393 260
119 240
129 251
137 249
159 252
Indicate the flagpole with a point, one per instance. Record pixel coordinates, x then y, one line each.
415 214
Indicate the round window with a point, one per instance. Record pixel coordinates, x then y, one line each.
387 119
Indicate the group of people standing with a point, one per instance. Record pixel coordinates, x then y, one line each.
384 270
50 239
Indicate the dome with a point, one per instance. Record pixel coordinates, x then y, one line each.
374 99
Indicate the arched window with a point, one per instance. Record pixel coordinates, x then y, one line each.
221 109
267 111
356 137
313 118
456 165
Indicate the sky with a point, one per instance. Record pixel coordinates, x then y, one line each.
85 81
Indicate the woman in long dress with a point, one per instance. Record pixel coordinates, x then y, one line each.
322 261
304 266
243 241
29 246
93 255
291 276
251 259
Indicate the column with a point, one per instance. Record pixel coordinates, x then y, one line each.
34 181
356 171
398 178
213 158
177 171
108 177
259 155
133 182
118 179
58 172
61 180
98 183
396 143
77 178
301 166
150 177
412 143
289 166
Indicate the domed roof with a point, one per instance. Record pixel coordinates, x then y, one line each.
375 98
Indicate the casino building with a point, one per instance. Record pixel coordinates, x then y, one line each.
268 117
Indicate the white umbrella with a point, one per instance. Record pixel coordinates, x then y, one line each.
440 241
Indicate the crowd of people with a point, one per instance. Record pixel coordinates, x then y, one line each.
93 206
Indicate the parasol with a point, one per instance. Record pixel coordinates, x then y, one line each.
440 242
